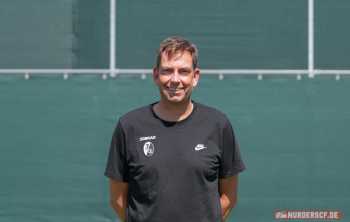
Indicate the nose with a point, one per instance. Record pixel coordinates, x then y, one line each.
175 77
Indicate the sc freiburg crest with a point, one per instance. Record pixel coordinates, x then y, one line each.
148 149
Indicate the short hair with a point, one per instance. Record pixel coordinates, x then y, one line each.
173 45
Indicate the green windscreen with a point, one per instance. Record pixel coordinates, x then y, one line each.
55 136
332 34
91 23
55 133
230 34
35 34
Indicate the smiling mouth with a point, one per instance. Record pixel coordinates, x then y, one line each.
174 89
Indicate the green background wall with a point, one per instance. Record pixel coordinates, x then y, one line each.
55 133
55 136
332 34
91 34
240 34
231 34
35 34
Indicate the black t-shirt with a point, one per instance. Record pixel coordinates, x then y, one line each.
173 167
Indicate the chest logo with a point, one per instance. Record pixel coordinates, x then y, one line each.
199 147
148 149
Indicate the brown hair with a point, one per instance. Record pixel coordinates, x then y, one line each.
173 45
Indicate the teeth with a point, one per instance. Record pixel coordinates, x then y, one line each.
174 89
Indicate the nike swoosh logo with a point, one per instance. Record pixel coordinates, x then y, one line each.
199 148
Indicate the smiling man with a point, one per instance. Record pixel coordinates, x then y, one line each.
175 160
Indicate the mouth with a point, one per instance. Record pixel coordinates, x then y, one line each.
174 90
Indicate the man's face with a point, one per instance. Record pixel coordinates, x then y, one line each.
176 77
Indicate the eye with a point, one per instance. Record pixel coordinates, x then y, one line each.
167 71
184 72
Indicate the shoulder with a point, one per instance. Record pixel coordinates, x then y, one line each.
211 112
136 115
137 118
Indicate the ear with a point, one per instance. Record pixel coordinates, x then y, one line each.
196 77
155 76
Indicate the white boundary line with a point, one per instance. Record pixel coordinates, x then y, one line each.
311 39
150 71
112 39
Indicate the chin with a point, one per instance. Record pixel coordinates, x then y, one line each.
175 101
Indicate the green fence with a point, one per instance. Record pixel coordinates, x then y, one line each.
55 137
55 133
332 32
230 34
35 34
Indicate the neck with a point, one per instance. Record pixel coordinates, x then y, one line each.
173 112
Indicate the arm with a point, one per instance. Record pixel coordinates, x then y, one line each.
228 194
119 197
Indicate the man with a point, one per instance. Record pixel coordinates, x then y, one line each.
174 160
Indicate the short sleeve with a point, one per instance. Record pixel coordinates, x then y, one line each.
117 167
231 159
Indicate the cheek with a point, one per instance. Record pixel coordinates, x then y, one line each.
192 83
163 81
187 81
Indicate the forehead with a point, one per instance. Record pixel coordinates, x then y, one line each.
177 59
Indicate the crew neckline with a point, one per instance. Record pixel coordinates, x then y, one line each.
174 124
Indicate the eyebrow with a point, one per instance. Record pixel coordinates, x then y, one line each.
182 68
